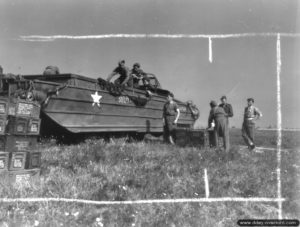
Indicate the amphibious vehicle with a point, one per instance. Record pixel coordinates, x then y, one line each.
77 105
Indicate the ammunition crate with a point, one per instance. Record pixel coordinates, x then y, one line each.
21 108
2 143
4 157
2 124
23 126
24 177
3 107
181 137
197 137
17 125
17 160
34 127
25 109
33 160
20 177
192 137
11 109
19 130
182 142
211 138
11 143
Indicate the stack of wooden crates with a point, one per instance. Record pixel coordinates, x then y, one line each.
19 130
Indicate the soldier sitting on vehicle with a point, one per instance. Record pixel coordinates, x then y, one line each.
51 70
138 77
123 71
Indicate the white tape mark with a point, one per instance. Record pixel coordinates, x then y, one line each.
191 200
206 184
269 148
279 127
210 49
34 38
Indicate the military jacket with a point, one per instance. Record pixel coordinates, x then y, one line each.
251 112
123 71
170 109
228 109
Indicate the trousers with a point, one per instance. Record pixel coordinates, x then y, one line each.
169 126
248 132
222 131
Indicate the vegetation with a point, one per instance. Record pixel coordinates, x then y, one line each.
119 171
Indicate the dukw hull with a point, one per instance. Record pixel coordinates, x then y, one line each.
83 105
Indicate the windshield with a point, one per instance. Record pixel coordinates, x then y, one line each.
153 81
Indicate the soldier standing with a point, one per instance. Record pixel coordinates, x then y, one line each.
229 113
251 114
169 120
218 115
123 71
227 107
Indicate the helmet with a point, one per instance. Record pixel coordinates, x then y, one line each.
121 62
213 103
223 97
136 65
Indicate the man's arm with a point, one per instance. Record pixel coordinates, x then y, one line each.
110 76
176 109
163 115
177 116
257 113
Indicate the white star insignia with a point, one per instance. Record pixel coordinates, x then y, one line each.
96 98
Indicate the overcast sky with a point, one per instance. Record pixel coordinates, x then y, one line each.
241 67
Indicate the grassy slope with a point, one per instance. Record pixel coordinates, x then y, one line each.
129 171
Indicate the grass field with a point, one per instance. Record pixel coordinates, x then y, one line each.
121 171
